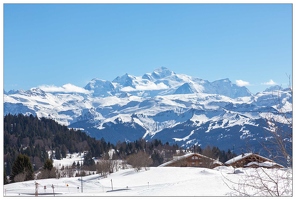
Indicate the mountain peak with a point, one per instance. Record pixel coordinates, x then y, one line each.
124 80
273 88
227 88
186 88
100 87
162 72
224 80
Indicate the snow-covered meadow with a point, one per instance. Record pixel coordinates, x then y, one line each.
155 181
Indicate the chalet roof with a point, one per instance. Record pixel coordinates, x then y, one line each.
242 156
264 164
186 156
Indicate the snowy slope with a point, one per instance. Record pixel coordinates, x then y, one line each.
155 182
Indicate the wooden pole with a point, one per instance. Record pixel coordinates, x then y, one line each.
53 189
36 189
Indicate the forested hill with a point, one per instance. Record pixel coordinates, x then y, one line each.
34 137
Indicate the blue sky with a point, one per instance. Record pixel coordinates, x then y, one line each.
57 44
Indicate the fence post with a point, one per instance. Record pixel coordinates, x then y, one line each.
36 189
53 189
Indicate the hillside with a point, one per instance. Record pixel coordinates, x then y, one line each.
40 139
35 137
174 108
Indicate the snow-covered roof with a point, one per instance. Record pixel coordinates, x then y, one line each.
263 164
239 157
242 156
176 158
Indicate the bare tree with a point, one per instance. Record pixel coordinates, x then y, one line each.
103 167
114 166
66 171
46 173
275 181
261 182
139 160
124 164
20 177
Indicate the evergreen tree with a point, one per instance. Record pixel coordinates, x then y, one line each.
48 164
74 165
156 158
58 153
48 170
5 177
22 169
88 161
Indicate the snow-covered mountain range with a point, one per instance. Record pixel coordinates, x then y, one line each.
174 108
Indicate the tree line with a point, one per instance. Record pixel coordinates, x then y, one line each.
28 139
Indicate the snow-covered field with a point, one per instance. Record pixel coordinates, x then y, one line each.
156 181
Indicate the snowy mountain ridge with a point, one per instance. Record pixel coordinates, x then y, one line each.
162 105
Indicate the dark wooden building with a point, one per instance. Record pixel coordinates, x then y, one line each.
192 160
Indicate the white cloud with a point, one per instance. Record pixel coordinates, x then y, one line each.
67 88
242 83
270 82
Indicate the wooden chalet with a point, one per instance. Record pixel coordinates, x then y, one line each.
192 160
252 160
